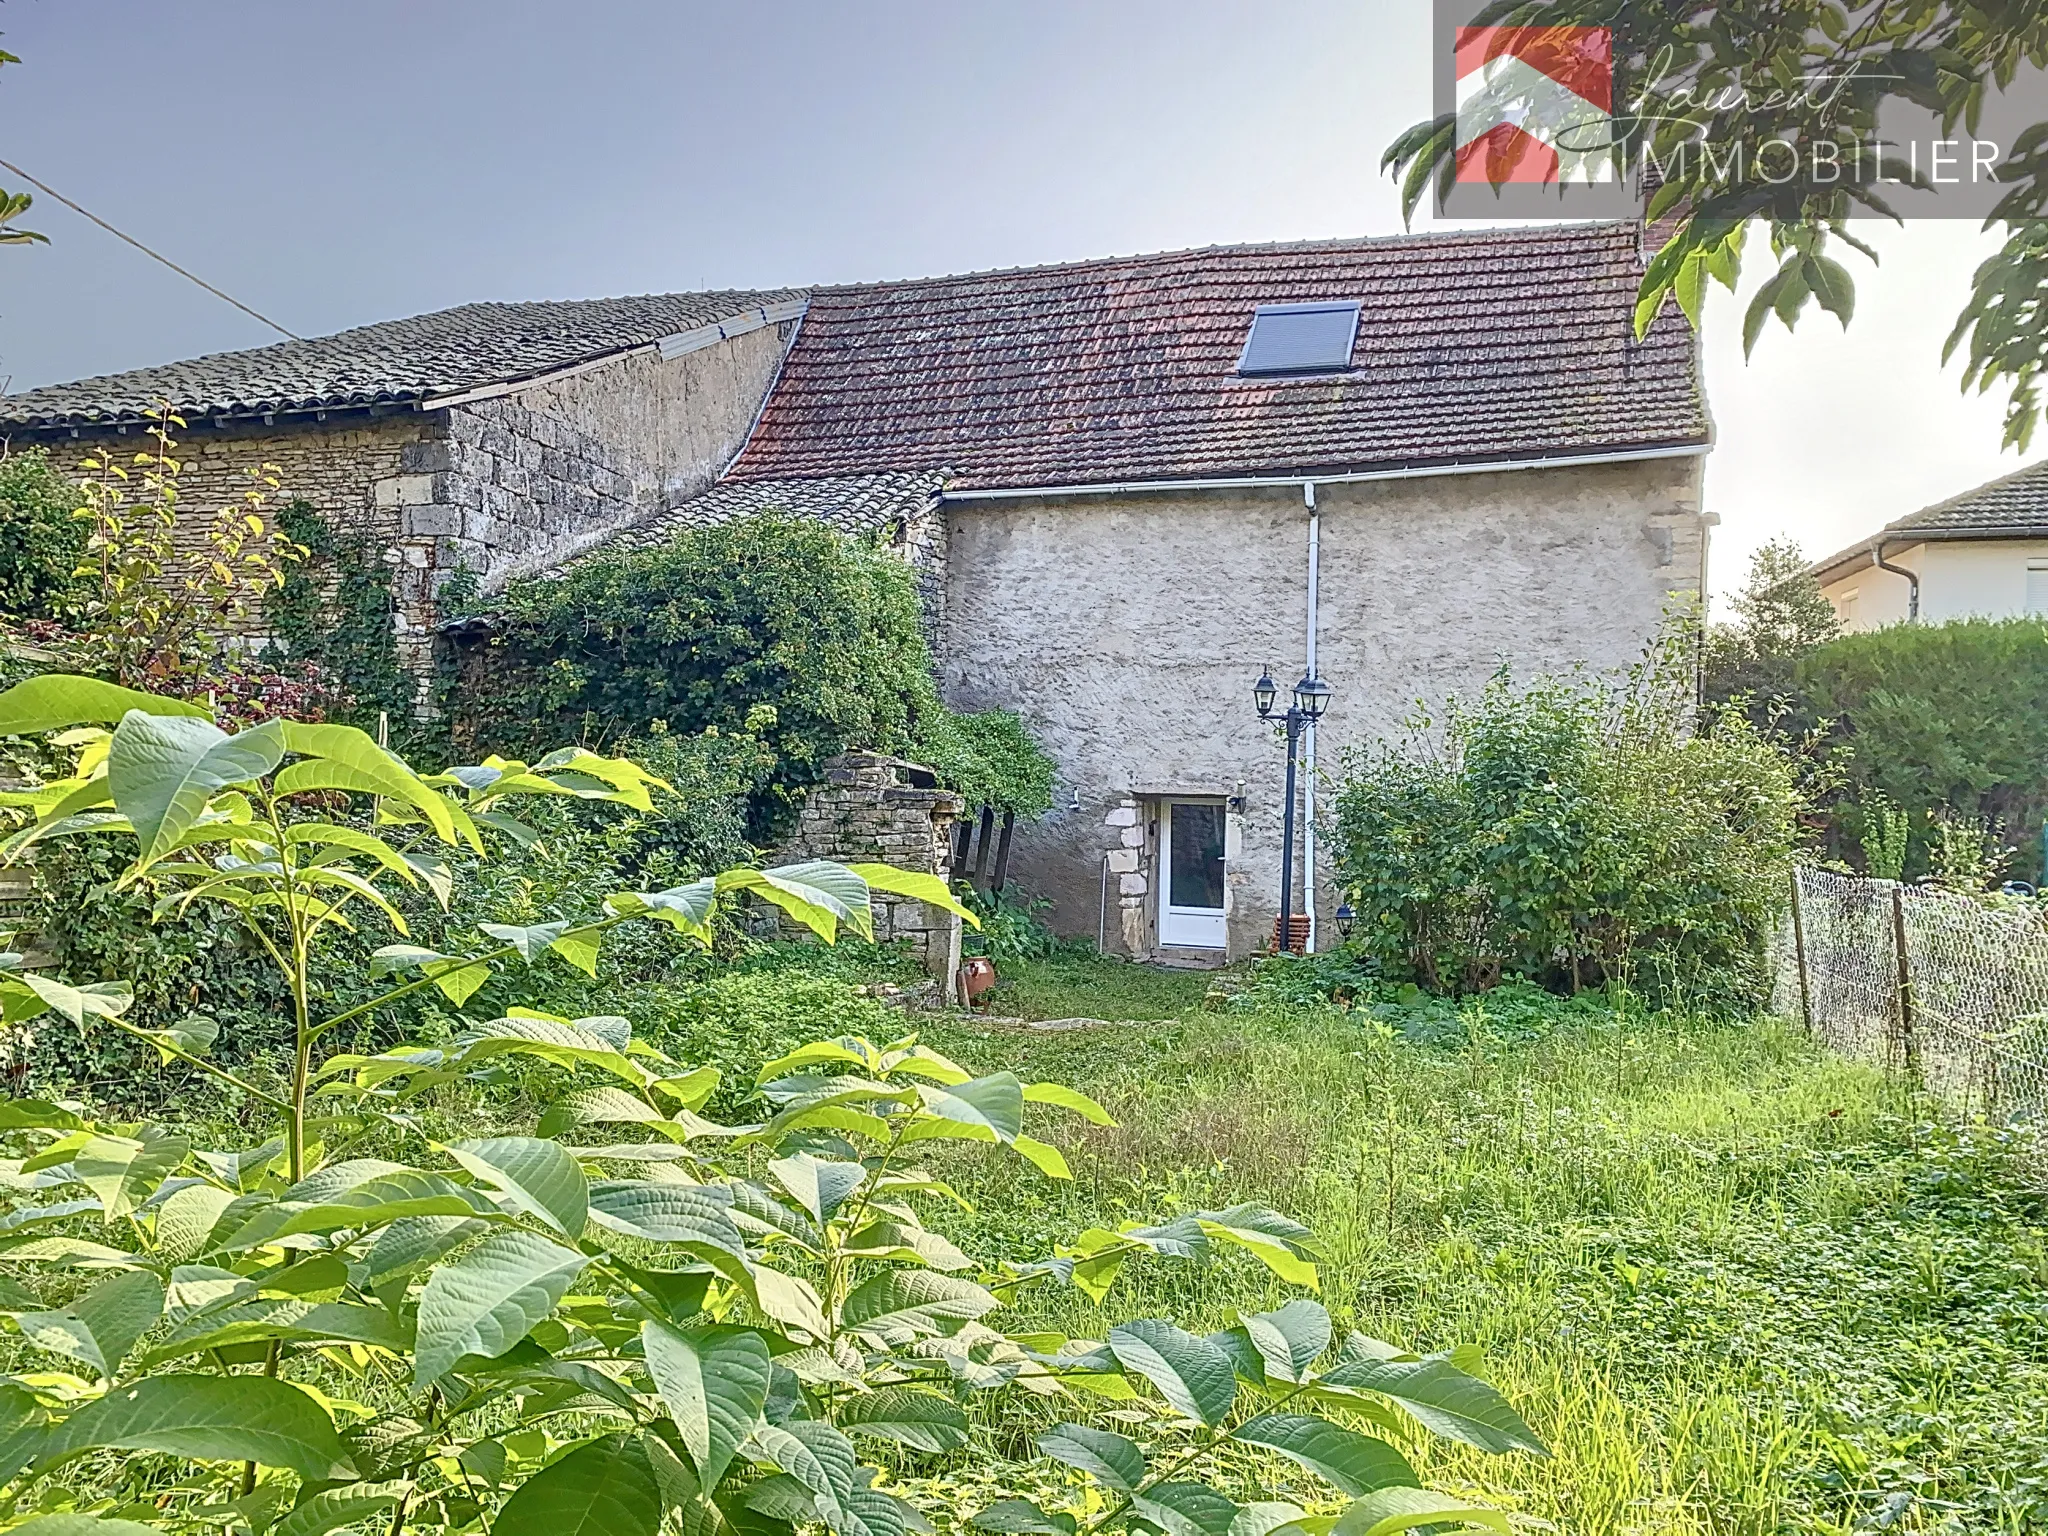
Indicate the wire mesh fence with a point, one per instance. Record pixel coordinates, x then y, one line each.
1951 987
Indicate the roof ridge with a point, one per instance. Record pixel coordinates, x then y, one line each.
1250 248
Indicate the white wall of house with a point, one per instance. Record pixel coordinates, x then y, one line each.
1128 630
1959 579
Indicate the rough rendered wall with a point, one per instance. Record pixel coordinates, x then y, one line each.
1127 631
528 480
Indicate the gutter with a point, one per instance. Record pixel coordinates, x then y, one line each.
1837 565
1352 477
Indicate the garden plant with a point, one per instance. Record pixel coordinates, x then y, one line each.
633 1318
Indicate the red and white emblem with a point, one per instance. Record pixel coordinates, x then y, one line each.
1535 104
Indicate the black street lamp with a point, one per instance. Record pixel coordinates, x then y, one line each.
1311 698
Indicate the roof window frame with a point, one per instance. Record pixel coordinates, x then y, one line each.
1313 370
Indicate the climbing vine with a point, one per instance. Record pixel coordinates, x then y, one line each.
334 609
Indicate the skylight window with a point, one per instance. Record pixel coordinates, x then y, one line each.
1300 338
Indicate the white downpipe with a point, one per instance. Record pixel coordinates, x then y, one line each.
1308 790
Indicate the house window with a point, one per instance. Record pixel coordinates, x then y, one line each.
2037 588
1845 606
1300 338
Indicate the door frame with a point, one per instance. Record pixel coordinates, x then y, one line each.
1172 920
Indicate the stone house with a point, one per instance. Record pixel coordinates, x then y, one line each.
1128 486
1981 554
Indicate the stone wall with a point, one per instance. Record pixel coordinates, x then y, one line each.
1127 632
876 809
502 486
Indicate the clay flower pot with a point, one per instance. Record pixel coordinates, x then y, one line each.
977 979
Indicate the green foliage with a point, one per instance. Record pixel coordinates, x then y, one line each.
783 629
1569 832
41 542
334 608
1011 928
988 757
739 1018
1750 1287
1780 615
1689 67
1948 719
632 1313
1883 835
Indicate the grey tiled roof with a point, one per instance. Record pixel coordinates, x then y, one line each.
1497 344
850 503
448 351
2016 503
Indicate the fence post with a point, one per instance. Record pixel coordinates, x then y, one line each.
1906 1039
1799 954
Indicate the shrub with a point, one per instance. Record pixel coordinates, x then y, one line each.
784 629
739 1019
634 1318
41 542
1942 720
1569 832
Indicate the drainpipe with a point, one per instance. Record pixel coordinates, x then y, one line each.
1912 580
1308 793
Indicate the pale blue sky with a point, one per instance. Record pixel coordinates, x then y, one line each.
333 164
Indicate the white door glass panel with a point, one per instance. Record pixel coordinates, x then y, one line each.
1191 866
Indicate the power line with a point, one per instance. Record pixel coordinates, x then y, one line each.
152 255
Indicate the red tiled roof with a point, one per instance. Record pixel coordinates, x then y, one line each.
1491 345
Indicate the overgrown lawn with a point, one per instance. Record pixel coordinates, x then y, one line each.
1739 1284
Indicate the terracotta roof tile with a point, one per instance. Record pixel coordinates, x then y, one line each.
1490 345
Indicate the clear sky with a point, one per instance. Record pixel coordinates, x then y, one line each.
334 164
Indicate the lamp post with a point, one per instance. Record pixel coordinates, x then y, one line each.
1311 698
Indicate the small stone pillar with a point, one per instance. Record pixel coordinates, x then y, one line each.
872 808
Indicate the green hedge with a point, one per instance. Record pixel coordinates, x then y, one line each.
1939 718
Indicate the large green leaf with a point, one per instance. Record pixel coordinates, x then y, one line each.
818 1184
101 1326
1192 1374
1445 1399
1355 1463
378 772
58 700
1402 1509
1185 1509
537 1175
1100 1452
898 1306
209 1418
489 1299
714 1382
333 1508
1291 1338
817 1456
929 889
96 999
817 893
995 1102
1067 1098
163 769
687 1214
124 1172
924 1421
605 1488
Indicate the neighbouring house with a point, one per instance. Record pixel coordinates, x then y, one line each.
1128 486
1983 554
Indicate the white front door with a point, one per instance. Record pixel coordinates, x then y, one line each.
1191 867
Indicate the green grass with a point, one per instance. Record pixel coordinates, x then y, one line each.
1738 1284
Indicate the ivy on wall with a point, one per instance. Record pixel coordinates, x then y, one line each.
335 609
806 639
